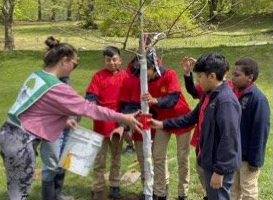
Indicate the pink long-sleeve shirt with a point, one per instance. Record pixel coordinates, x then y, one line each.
46 118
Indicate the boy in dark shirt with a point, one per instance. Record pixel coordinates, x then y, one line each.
218 120
254 128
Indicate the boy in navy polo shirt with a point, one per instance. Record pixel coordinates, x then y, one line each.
254 128
218 119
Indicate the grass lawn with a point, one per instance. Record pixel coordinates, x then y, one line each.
15 67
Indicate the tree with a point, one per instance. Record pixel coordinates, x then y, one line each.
8 9
158 15
88 14
213 9
39 10
69 11
53 10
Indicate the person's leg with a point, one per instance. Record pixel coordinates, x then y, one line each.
60 175
183 151
129 149
140 159
18 155
236 193
49 152
249 182
114 176
201 177
159 154
222 193
99 168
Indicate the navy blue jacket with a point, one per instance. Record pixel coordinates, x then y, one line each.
219 142
254 126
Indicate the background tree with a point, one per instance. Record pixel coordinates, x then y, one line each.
69 11
39 7
54 9
8 8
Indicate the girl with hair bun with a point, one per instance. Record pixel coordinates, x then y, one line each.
41 112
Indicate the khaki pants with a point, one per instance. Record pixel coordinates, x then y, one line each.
100 165
200 173
245 186
140 158
159 153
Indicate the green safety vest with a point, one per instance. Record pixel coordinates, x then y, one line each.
35 86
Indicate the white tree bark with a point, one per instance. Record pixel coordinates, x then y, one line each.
147 142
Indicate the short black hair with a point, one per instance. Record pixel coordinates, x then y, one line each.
111 51
135 67
249 67
212 63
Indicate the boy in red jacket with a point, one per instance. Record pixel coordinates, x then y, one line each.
104 89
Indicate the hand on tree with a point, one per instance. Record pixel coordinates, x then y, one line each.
149 99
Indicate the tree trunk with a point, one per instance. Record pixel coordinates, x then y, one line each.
147 141
53 14
68 11
213 9
39 10
8 8
234 6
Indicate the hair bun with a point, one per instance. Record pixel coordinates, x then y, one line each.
52 42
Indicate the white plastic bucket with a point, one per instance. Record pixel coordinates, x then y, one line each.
80 150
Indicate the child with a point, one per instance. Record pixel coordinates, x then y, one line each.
218 119
196 92
130 99
44 98
166 100
254 128
104 89
52 175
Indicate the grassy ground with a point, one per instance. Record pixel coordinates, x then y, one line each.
16 65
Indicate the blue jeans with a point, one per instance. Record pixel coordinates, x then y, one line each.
222 193
50 155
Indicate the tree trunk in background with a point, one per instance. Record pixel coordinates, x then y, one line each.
8 8
39 10
234 6
80 7
53 15
68 11
213 9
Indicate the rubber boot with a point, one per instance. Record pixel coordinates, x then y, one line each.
155 197
114 193
48 190
59 182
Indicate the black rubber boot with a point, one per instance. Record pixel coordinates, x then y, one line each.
48 190
155 197
114 193
183 198
59 182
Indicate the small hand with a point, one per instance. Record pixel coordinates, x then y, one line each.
216 181
131 121
71 123
187 64
155 124
149 99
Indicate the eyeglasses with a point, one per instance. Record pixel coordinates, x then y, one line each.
75 65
